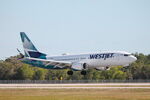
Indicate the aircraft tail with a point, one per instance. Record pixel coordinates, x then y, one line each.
29 49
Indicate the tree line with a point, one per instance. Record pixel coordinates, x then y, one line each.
14 69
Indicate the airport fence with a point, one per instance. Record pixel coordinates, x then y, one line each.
69 81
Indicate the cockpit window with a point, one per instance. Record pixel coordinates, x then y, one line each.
126 55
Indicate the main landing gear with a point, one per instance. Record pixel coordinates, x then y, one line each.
83 72
70 72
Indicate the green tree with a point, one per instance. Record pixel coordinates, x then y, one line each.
25 72
7 70
40 74
114 73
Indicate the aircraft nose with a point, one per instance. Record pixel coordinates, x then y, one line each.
133 58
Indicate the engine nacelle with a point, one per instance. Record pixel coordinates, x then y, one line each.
102 68
79 66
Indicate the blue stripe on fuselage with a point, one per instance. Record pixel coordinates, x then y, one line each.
40 64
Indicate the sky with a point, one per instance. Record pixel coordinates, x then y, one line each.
75 26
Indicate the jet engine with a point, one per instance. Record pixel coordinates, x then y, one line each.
79 66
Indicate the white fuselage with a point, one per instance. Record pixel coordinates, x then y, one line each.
96 60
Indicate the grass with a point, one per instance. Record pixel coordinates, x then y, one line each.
74 94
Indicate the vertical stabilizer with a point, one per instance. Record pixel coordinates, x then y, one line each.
29 49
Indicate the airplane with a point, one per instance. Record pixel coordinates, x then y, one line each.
79 62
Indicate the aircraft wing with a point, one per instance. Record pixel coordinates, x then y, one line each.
56 64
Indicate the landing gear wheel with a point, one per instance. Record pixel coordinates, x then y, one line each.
70 72
83 72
